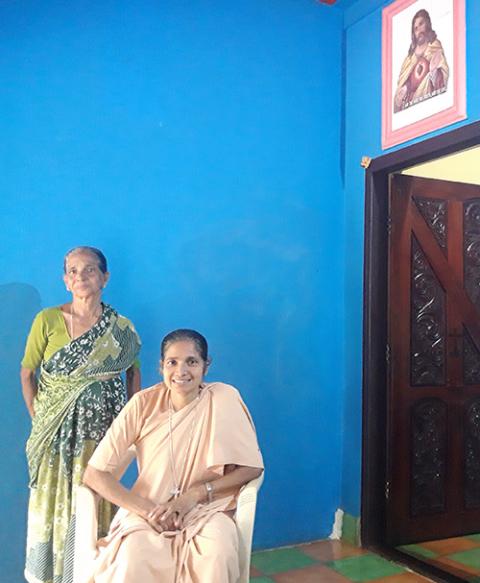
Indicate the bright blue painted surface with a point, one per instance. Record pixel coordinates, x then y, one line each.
363 137
355 10
197 143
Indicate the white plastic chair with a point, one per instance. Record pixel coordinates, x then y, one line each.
86 526
245 519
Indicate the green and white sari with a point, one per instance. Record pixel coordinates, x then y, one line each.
80 392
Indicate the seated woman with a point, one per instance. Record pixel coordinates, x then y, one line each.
196 446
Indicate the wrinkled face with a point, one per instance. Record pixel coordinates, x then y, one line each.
420 30
183 369
83 276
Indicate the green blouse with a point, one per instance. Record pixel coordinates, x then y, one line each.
47 335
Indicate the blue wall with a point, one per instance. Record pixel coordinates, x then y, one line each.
362 44
198 144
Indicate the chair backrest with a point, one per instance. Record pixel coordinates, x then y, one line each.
86 525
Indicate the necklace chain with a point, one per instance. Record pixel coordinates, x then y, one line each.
176 490
97 313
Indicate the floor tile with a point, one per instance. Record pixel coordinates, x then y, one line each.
365 568
254 572
449 546
405 577
312 574
270 562
470 558
453 567
330 550
417 551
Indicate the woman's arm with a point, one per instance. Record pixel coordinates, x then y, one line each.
234 476
29 388
112 490
133 381
172 513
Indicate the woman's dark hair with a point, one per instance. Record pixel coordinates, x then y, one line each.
102 260
186 334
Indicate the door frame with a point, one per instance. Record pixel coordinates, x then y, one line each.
375 314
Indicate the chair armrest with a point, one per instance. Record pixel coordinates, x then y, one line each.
245 519
86 533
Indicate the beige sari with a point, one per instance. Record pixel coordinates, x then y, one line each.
211 432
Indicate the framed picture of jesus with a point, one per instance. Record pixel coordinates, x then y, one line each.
423 67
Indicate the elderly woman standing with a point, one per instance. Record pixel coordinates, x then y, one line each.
81 350
196 446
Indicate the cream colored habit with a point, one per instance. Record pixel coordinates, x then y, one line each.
209 434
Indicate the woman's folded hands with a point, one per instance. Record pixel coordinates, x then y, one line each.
169 515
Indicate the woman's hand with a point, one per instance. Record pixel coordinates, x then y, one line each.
29 388
105 484
169 516
154 517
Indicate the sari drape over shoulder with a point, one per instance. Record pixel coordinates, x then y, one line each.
210 433
80 392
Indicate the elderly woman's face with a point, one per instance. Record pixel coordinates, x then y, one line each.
83 276
183 368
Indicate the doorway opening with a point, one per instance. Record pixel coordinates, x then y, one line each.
421 382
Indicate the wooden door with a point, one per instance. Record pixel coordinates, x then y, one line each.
433 457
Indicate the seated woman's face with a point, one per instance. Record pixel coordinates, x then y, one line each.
183 368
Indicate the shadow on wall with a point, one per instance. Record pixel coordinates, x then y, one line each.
19 303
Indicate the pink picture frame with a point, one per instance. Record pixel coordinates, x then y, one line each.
423 68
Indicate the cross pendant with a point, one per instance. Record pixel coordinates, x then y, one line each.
175 491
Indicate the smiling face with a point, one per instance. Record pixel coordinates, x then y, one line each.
183 369
83 276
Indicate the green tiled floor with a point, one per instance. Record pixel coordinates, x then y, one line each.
418 551
271 562
365 568
459 556
470 558
326 562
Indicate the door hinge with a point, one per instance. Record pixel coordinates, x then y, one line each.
387 490
389 224
387 353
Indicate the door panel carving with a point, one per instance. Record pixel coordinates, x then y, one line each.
472 455
434 212
471 360
429 448
472 250
427 365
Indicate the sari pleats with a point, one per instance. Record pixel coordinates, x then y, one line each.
50 539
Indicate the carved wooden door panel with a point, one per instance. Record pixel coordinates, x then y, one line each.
433 476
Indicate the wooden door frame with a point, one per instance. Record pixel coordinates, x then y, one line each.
375 313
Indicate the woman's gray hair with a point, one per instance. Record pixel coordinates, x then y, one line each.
102 260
